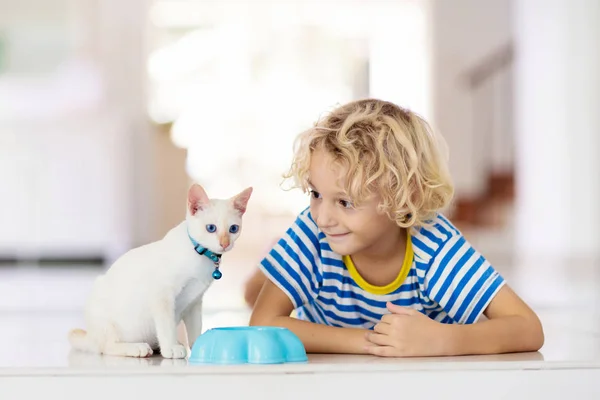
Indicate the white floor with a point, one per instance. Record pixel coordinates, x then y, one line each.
39 305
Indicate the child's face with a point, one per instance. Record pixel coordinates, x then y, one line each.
349 230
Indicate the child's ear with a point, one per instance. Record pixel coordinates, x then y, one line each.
197 199
240 201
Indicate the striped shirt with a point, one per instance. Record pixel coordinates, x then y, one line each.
443 277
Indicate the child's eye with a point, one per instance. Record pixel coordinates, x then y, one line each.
315 194
346 204
234 228
211 228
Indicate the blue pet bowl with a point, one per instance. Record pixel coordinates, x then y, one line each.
247 345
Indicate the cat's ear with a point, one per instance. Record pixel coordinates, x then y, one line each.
197 199
240 201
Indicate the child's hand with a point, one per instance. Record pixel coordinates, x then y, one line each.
407 333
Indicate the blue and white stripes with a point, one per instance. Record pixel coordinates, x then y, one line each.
446 278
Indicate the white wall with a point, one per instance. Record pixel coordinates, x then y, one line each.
62 188
558 128
76 151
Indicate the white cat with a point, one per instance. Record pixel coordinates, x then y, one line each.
134 309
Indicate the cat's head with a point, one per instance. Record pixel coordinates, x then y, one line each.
215 223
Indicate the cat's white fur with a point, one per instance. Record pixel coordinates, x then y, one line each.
134 308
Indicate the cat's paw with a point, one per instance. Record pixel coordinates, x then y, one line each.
139 350
176 351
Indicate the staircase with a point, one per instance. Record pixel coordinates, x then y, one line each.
490 86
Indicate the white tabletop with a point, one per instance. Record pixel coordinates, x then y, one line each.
37 310
36 344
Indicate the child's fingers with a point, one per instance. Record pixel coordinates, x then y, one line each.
399 309
379 339
382 351
383 327
389 318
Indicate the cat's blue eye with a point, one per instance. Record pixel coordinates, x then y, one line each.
234 228
211 228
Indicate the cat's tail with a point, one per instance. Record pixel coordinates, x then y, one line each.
81 341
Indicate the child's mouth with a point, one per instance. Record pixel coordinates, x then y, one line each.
337 235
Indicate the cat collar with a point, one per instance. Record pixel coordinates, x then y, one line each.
214 257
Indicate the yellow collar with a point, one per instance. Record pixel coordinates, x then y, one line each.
392 286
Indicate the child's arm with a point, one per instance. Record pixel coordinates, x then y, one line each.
465 286
512 327
273 308
253 286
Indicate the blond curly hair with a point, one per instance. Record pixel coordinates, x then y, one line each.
388 151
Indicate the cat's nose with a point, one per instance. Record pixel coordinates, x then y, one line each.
224 242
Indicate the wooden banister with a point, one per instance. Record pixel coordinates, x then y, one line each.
489 65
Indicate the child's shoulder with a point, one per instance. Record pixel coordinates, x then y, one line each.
304 217
304 229
429 240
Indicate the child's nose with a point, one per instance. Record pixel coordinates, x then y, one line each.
325 217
